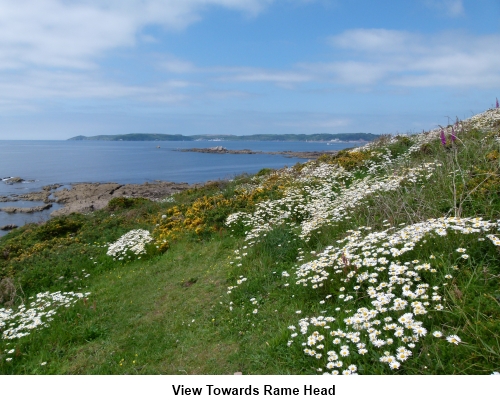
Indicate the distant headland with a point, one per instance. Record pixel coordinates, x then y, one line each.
344 137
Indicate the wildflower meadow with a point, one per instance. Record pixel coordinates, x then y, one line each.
381 259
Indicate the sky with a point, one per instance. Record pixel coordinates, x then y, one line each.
94 67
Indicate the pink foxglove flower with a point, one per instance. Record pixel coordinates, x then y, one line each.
453 137
443 138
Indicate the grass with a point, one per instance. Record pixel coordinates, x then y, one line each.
266 274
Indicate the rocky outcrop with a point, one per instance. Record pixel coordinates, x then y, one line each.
15 180
12 180
88 197
8 227
288 153
217 149
25 210
42 195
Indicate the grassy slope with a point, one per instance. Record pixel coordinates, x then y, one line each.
171 313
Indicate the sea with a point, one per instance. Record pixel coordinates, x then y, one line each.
42 163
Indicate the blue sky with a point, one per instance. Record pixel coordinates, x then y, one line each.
89 67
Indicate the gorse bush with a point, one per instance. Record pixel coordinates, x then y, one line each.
207 214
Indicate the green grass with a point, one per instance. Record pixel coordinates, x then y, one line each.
212 302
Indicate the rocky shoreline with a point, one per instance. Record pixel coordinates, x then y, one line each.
88 197
287 153
43 195
25 210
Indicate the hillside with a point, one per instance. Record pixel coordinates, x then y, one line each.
383 259
350 137
132 137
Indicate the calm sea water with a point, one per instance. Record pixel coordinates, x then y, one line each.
65 162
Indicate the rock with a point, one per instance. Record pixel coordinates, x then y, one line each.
25 210
215 149
84 191
51 187
8 227
36 196
88 197
12 180
221 149
218 149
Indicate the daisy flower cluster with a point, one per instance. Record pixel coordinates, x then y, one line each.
382 302
132 243
394 321
314 204
323 194
39 311
378 248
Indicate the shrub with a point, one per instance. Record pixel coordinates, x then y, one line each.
120 203
264 172
7 292
59 227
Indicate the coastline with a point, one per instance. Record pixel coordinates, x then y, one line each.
86 197
286 153
20 207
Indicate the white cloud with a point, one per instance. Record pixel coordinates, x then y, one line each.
40 85
58 33
452 8
377 56
175 65
266 75
50 33
366 58
373 40
236 74
52 48
347 73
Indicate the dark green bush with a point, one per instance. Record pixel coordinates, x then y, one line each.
120 203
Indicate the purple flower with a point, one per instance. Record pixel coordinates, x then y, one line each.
453 137
498 105
443 138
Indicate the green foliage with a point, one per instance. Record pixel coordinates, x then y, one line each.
121 203
58 227
400 146
208 301
347 159
264 172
